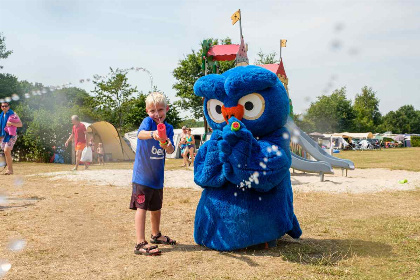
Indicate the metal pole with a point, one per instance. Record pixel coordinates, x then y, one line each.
240 24
280 49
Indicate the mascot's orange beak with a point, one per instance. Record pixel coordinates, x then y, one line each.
237 112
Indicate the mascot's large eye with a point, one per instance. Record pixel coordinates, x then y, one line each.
254 106
214 108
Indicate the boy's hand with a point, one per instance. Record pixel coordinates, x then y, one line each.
156 136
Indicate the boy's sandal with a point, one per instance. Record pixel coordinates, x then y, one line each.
141 250
8 173
155 240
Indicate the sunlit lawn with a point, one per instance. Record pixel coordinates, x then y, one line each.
397 158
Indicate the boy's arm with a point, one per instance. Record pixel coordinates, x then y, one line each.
146 135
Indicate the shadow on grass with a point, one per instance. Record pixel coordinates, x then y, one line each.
2 208
308 251
25 202
326 252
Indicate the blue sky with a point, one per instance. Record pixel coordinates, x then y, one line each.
377 43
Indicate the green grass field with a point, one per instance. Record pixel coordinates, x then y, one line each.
394 159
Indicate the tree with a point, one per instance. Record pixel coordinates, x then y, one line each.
111 95
366 108
9 85
405 120
187 73
266 58
333 113
3 52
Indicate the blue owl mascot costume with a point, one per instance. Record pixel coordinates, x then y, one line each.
247 197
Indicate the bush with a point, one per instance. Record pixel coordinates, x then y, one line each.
415 141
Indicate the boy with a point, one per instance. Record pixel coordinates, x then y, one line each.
100 151
148 174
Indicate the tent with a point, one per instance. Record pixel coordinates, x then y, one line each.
116 149
198 133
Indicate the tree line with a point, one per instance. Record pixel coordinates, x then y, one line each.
336 113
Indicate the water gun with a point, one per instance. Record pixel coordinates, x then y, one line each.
161 128
235 126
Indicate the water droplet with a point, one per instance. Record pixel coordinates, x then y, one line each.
265 159
264 173
285 135
275 148
3 200
2 160
338 27
295 139
259 198
243 189
262 164
4 267
353 51
239 166
235 193
335 44
19 181
15 97
17 245
8 99
269 149
278 153
258 138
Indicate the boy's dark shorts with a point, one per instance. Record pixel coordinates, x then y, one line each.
146 198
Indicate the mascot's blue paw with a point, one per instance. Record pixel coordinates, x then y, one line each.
244 168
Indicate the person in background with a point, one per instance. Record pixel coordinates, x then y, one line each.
190 146
79 135
100 152
183 145
7 140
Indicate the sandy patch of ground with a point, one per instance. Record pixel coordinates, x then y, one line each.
357 181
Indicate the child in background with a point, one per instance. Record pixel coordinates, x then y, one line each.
183 146
100 152
148 174
190 146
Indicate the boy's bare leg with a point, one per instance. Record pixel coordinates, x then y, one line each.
9 159
140 224
155 219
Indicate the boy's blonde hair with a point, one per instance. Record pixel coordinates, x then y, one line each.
156 98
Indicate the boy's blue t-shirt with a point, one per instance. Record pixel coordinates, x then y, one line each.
150 157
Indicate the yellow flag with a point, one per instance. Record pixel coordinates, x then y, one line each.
283 43
236 16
